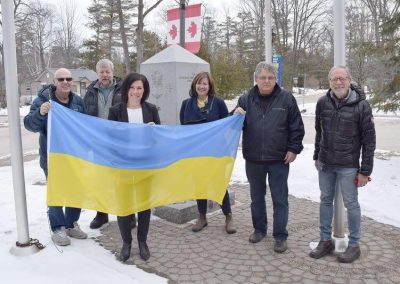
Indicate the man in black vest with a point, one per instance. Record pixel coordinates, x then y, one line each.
273 132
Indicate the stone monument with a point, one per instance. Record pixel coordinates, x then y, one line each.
170 73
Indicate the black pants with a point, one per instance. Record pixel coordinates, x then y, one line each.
125 227
226 205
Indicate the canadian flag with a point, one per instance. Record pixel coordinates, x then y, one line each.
192 27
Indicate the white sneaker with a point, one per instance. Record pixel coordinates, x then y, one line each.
76 232
60 237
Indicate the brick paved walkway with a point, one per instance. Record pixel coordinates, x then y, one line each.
212 256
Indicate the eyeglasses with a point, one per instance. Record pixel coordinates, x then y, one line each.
264 78
68 79
341 79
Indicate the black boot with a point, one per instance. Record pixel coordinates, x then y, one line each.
256 236
98 221
323 248
125 252
351 254
144 251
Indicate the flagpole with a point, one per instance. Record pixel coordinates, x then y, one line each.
339 59
23 246
268 32
182 23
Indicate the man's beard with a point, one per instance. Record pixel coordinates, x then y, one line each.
341 94
105 83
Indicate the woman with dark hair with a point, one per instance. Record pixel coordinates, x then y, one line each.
135 90
203 106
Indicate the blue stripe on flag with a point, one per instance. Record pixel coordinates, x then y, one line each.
139 146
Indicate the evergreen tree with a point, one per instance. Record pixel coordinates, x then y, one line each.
388 99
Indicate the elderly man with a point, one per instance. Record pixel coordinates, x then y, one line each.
63 224
272 137
100 96
344 127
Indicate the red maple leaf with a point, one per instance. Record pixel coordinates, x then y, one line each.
173 32
192 29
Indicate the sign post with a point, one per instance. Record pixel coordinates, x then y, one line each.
277 61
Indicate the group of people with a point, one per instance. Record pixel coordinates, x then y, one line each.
273 131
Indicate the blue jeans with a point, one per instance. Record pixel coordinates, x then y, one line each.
58 218
328 176
278 173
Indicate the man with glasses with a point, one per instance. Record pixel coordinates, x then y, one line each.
63 224
102 94
273 132
344 130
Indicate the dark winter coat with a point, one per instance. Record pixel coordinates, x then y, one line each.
91 96
119 112
191 114
36 122
268 134
342 130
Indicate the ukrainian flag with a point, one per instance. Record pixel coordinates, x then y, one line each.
122 168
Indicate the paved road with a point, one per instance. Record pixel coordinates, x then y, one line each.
387 132
30 141
387 128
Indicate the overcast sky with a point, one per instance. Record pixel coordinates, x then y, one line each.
155 20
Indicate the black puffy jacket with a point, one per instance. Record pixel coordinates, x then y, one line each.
91 97
268 135
343 130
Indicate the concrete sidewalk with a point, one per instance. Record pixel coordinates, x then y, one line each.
213 256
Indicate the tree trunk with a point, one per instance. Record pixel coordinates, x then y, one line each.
123 37
139 36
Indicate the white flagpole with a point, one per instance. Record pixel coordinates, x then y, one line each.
23 245
339 59
268 32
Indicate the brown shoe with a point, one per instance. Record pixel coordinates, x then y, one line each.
229 225
323 248
200 223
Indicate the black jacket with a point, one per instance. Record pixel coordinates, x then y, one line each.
91 97
269 134
343 130
191 114
119 112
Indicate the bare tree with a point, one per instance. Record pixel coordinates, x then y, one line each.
67 39
382 11
140 29
298 24
35 36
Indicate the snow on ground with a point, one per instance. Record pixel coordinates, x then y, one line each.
84 261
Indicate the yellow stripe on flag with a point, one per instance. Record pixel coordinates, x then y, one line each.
82 184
